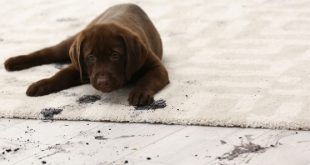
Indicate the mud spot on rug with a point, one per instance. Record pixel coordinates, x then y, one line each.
68 94
86 99
48 113
158 104
66 19
191 82
1 39
243 149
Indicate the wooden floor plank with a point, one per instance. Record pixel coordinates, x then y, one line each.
102 144
8 123
32 136
195 145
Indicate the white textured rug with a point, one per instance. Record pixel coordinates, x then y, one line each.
231 63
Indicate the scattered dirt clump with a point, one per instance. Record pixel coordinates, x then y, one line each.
8 150
100 138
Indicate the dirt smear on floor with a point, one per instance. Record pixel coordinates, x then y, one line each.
100 138
119 137
243 149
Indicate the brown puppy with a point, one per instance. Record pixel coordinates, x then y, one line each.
120 46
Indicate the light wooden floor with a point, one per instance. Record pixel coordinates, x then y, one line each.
72 142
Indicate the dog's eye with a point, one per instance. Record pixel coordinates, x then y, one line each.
91 58
114 56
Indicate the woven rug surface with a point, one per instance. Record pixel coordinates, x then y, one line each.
231 63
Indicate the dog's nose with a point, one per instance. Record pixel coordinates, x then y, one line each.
102 81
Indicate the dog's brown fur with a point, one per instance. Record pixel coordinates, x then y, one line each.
120 46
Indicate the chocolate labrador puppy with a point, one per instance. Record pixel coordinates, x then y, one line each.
120 46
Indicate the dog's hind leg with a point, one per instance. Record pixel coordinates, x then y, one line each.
53 54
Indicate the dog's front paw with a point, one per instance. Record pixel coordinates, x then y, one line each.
40 88
139 97
15 63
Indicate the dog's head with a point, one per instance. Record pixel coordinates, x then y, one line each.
107 55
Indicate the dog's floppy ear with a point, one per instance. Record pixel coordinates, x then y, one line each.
76 56
136 53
